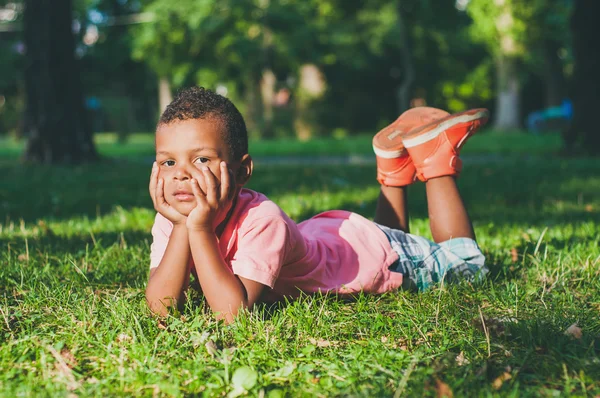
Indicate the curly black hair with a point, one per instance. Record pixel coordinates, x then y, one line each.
201 103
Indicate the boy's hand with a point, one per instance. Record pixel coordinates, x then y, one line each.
212 207
157 193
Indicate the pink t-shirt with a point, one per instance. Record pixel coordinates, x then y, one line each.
336 251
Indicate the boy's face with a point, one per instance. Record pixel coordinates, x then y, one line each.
183 147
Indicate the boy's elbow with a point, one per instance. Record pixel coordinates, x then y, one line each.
159 306
230 315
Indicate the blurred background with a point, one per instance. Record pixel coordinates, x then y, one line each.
297 69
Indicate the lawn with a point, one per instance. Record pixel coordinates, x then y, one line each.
141 145
74 246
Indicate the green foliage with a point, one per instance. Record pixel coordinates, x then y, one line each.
73 318
518 28
175 37
234 42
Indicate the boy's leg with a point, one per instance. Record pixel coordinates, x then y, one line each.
448 216
434 149
392 208
395 169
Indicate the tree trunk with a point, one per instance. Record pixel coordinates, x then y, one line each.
311 87
507 101
254 111
165 97
57 125
583 136
552 73
267 89
268 79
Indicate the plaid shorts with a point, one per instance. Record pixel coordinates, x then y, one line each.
424 262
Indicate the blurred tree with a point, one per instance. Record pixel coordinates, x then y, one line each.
547 40
124 88
373 58
56 120
499 25
178 43
583 135
241 45
521 34
11 49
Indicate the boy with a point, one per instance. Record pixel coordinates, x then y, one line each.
242 248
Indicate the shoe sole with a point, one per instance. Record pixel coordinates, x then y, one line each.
433 130
394 153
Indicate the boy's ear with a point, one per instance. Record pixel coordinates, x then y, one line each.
244 172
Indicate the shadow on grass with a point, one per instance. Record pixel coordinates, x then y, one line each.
530 348
525 353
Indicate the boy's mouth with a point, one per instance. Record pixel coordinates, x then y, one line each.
183 196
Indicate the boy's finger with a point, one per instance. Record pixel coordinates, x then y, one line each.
225 181
160 193
198 194
195 173
211 185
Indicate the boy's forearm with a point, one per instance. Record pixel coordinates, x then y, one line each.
223 290
170 279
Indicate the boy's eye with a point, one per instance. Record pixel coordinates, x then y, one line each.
169 163
201 160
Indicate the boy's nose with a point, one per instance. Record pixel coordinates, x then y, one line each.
182 174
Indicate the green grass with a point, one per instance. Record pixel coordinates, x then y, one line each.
488 142
74 246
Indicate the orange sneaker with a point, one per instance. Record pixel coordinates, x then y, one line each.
434 148
394 167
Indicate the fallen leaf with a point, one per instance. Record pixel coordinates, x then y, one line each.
211 347
589 208
122 338
23 257
68 357
497 383
161 325
320 343
443 389
461 360
63 369
197 339
574 331
514 255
